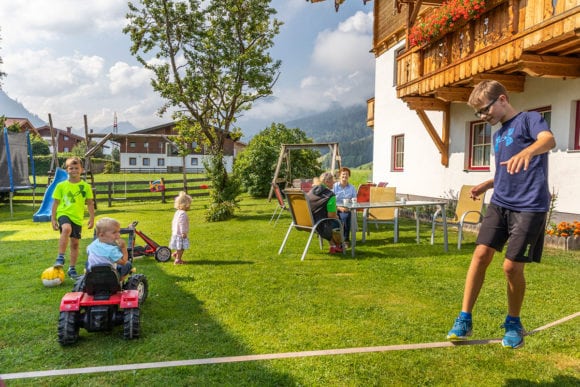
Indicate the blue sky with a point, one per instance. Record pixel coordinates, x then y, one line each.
70 58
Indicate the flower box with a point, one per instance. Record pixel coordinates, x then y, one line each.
562 243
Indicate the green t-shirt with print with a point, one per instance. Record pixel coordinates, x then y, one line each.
72 198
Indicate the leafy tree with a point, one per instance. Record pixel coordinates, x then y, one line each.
211 63
81 148
256 165
39 146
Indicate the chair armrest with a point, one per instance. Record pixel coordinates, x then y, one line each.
461 220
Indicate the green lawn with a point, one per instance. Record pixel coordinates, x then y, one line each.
237 296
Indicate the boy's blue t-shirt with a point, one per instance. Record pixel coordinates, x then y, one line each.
100 253
526 190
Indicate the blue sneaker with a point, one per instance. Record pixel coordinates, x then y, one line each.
461 330
72 272
59 262
514 335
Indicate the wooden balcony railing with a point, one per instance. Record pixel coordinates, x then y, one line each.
512 38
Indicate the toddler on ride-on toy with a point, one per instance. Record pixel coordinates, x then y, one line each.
102 298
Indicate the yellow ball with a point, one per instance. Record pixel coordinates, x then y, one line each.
53 276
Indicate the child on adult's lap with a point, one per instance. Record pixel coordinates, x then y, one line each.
180 227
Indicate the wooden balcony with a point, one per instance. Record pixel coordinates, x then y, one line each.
513 38
371 113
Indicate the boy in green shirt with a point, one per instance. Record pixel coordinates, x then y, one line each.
68 211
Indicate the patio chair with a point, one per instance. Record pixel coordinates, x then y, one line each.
467 211
363 193
388 215
302 220
281 207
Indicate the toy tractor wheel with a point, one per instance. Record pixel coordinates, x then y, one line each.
68 328
162 254
131 323
138 282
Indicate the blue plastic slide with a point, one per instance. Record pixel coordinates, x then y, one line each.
44 212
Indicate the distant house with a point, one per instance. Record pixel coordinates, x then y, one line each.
139 153
65 139
23 123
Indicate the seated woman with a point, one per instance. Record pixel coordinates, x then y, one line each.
344 191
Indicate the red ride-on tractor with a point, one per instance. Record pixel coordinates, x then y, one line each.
152 248
99 302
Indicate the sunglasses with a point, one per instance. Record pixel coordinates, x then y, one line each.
485 110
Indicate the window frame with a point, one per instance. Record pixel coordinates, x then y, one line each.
469 162
396 152
146 161
133 161
577 129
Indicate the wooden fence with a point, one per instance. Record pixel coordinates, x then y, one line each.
129 191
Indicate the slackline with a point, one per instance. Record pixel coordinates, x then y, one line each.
272 356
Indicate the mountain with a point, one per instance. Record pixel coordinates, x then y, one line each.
14 109
347 126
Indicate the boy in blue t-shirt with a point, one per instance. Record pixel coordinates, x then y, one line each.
518 207
109 248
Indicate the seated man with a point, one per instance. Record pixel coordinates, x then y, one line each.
323 205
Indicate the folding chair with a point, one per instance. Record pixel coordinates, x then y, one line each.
387 215
281 207
467 211
302 219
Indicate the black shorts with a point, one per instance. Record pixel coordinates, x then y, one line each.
525 231
76 229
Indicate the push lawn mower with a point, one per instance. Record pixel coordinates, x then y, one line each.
152 248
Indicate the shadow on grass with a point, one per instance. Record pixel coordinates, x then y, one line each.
175 326
560 380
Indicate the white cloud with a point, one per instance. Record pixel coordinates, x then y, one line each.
125 78
341 70
38 21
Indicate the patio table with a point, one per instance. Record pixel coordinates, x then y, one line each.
353 207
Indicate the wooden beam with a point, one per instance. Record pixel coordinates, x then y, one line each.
453 94
513 83
549 66
441 144
426 103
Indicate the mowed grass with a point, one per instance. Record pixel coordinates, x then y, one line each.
237 296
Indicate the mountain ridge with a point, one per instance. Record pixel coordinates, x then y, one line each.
345 125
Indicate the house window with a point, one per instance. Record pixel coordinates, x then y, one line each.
132 161
546 113
479 146
194 161
65 138
398 152
146 144
132 144
65 149
160 162
146 161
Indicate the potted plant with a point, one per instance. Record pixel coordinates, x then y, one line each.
564 235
